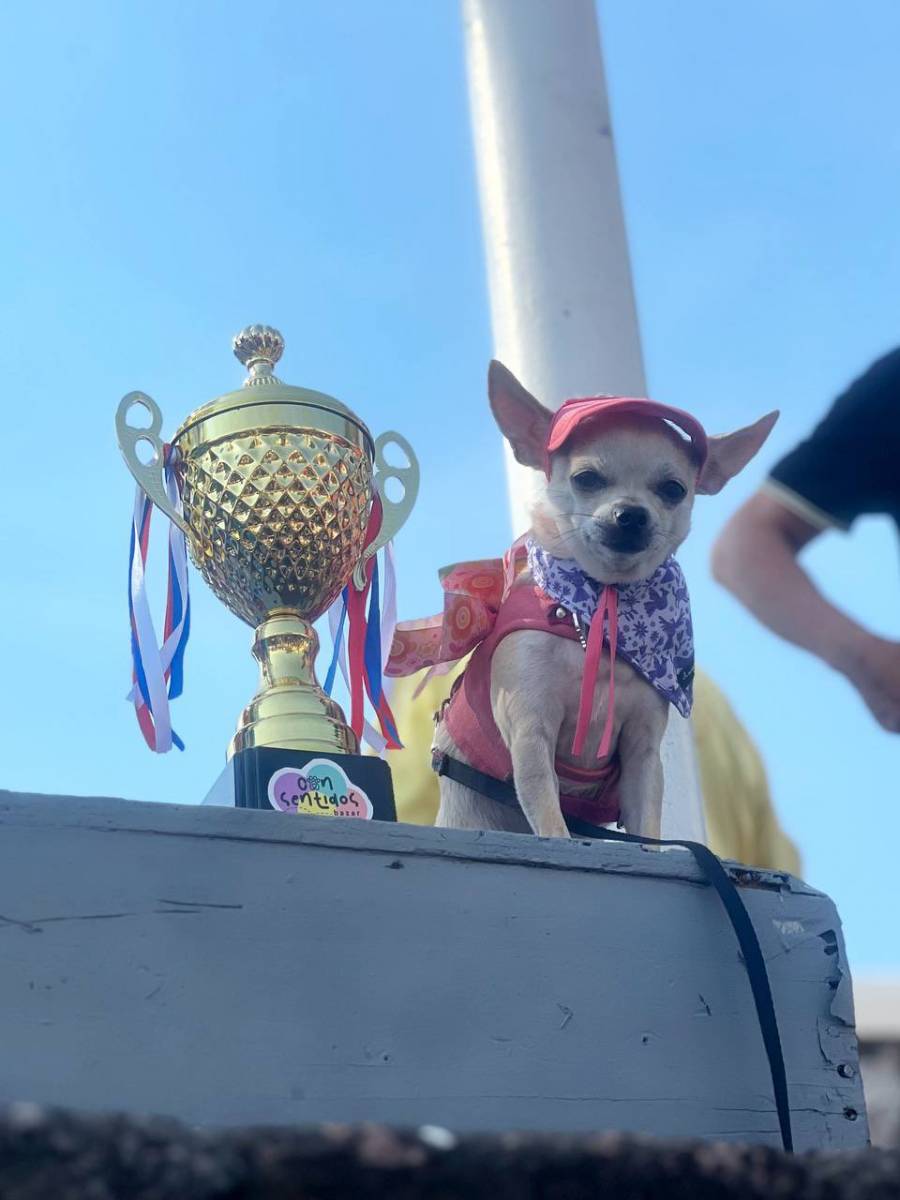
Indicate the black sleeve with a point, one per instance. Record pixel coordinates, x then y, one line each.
850 464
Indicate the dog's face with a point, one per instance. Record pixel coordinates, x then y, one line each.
619 499
621 490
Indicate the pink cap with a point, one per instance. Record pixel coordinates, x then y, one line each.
579 411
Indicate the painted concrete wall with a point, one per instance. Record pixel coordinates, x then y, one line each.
228 966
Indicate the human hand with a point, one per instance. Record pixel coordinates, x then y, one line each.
873 668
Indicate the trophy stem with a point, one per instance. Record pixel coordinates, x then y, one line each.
290 710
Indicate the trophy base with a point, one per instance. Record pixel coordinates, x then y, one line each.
306 781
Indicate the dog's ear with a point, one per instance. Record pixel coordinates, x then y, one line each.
730 453
523 421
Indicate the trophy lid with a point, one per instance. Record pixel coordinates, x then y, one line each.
259 347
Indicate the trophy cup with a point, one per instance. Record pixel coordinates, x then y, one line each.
278 486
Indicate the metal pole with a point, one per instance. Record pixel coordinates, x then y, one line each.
559 277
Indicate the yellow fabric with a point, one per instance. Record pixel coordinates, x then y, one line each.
740 820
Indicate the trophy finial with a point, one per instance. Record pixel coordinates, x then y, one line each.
259 348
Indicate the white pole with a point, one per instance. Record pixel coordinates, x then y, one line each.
559 277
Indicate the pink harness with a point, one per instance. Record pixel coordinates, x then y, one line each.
483 603
470 721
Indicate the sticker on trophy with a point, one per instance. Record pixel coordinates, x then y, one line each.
320 788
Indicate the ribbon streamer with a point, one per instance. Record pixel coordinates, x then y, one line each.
157 671
368 643
337 616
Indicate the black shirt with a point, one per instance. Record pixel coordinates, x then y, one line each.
850 464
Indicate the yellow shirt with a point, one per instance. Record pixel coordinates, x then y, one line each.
740 820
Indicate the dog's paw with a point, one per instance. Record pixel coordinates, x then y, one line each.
553 829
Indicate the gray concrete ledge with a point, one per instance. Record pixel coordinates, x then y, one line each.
233 967
110 815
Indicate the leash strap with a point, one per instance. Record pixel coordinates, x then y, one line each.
504 792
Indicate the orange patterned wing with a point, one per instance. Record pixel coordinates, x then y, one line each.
472 595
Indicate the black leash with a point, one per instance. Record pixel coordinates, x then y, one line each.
504 792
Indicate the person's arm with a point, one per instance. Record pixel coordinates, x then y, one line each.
755 558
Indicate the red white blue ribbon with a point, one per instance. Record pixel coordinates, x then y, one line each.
368 644
157 670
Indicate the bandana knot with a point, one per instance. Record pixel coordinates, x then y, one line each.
646 623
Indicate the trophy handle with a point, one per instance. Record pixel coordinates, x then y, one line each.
149 476
395 511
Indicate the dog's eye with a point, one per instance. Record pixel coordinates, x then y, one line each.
589 481
672 491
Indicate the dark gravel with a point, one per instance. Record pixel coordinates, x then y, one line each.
52 1155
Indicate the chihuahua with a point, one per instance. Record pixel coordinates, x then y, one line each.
595 573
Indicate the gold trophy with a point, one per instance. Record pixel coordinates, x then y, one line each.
277 486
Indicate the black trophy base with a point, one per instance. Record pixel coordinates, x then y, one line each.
304 781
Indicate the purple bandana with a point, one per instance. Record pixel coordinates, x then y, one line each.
656 636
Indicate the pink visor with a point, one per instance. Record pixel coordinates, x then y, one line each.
579 411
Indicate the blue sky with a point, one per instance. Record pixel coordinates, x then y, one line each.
175 171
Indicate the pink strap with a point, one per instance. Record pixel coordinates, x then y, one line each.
612 610
511 560
607 607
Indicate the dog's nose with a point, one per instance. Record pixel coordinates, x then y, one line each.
631 516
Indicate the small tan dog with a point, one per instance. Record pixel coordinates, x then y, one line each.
621 479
